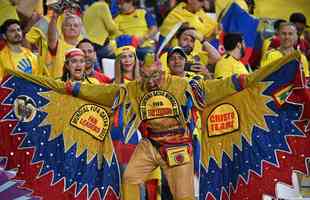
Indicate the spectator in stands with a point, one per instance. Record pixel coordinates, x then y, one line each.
138 23
74 67
176 60
192 13
13 55
274 41
288 39
230 62
127 63
99 27
300 22
58 44
37 36
92 68
197 62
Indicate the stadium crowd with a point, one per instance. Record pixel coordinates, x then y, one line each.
72 40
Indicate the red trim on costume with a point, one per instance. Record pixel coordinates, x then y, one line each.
242 79
68 87
151 188
123 151
115 118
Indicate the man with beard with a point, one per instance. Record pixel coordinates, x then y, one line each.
230 63
161 107
197 62
13 55
91 64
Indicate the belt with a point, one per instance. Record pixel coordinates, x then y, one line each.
166 132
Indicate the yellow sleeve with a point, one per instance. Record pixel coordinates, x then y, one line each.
222 69
108 21
36 68
173 18
305 64
33 35
266 45
101 94
1 70
217 89
269 57
210 25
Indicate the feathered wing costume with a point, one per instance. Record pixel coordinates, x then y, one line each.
254 132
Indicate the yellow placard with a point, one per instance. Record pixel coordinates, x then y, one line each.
223 119
92 119
158 104
177 155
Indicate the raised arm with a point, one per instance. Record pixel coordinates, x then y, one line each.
100 94
52 34
215 90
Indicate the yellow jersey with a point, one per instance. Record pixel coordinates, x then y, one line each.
98 23
227 66
58 58
37 35
200 21
136 23
24 61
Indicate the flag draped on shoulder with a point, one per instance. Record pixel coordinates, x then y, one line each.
257 137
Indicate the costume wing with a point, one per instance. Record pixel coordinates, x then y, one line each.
257 137
60 145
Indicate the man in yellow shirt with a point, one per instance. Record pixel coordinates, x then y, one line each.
192 13
13 55
139 23
288 38
197 61
230 63
99 26
71 29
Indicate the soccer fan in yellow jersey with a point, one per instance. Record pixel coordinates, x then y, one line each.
37 35
139 23
99 26
288 39
230 63
192 13
13 55
71 29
